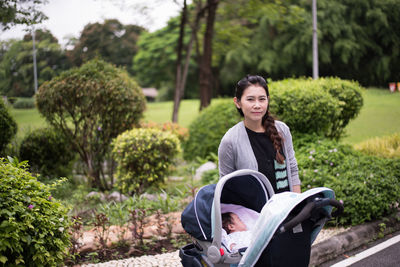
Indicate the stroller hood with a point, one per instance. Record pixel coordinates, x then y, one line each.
246 188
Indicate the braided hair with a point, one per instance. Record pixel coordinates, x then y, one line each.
268 121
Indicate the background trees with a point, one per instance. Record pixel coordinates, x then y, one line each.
112 41
16 66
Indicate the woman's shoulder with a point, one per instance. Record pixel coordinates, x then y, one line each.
234 131
280 125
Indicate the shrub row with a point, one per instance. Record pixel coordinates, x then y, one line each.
369 186
323 106
24 103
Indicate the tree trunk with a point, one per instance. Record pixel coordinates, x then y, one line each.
178 79
205 75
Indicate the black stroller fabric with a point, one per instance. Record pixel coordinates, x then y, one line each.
245 190
196 218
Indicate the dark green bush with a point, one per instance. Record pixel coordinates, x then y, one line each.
24 103
33 225
206 131
47 153
143 157
323 106
8 127
369 186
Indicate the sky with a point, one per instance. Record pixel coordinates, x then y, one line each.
67 18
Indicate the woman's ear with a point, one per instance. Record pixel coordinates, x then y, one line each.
237 102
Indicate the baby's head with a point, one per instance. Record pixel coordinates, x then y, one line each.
231 223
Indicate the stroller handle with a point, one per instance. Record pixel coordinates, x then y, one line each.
305 213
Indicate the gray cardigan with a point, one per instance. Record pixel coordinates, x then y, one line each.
235 152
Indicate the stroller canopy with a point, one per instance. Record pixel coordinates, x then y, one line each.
246 190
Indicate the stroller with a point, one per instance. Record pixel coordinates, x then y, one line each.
283 233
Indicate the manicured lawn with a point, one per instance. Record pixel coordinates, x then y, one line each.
379 116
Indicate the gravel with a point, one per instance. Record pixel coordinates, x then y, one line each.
172 259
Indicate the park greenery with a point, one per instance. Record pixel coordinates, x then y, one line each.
91 126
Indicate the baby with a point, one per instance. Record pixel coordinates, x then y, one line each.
238 234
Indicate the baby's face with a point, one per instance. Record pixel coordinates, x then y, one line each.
238 225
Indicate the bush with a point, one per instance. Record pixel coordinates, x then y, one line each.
92 105
305 107
8 127
143 157
34 226
24 103
369 186
47 153
181 132
386 147
206 131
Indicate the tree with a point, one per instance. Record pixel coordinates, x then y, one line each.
155 63
14 12
112 41
205 75
181 74
16 66
91 105
8 127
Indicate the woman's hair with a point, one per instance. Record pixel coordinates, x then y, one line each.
268 120
226 221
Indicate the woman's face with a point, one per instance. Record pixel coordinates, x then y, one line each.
253 103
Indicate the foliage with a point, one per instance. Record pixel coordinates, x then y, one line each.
8 126
91 105
34 226
368 186
155 63
210 177
206 131
13 12
306 107
47 153
24 103
356 40
386 147
16 66
112 41
143 157
181 132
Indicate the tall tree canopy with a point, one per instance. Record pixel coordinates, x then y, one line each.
16 65
112 41
26 12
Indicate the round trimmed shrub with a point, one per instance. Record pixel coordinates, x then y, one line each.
303 106
92 105
47 153
368 186
206 131
324 106
33 225
8 126
143 158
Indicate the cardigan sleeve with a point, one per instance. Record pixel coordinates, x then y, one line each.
226 160
294 170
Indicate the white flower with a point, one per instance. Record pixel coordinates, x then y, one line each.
330 150
61 219
334 150
310 157
315 170
61 229
337 174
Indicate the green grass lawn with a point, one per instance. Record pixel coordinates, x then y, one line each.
379 116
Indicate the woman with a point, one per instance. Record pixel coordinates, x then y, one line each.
259 142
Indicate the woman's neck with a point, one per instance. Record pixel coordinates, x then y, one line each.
255 126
